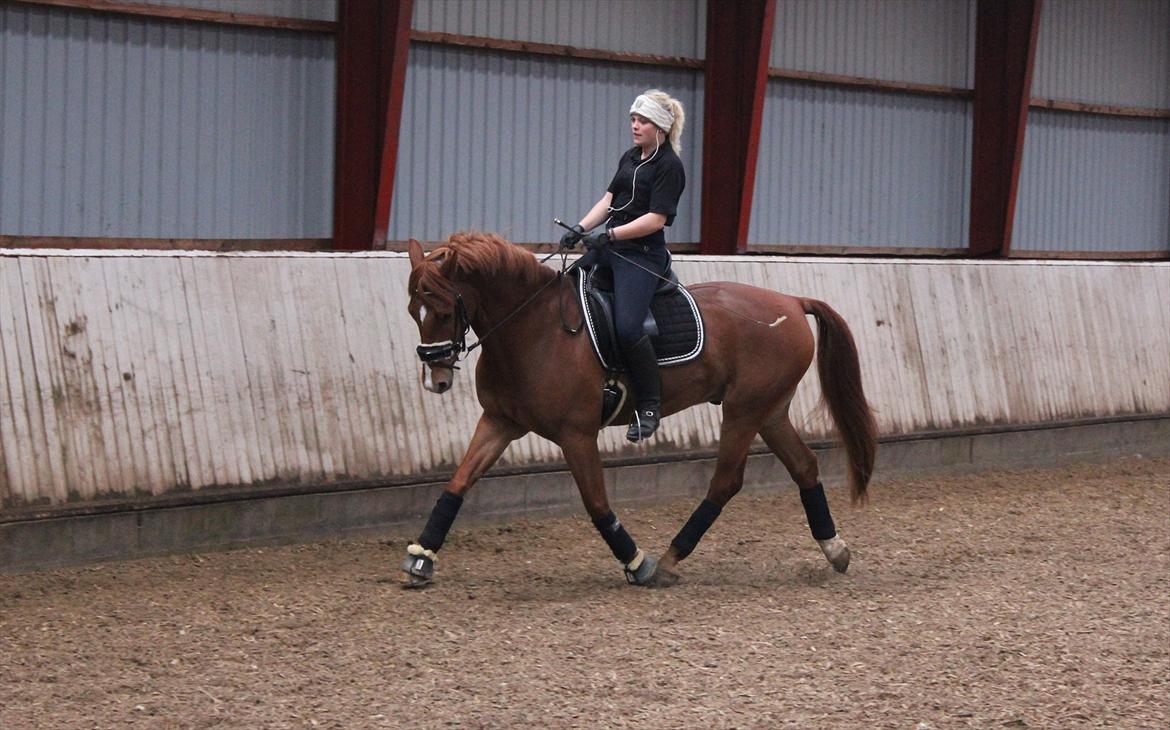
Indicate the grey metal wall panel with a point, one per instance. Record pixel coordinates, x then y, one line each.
130 374
861 168
504 143
658 27
923 41
304 9
1105 52
1094 183
114 126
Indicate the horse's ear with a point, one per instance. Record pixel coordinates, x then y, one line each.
448 266
416 253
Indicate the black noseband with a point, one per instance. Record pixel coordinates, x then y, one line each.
437 352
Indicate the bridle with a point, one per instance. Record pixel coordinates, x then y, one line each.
435 352
454 349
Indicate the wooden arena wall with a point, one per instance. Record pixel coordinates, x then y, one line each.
141 375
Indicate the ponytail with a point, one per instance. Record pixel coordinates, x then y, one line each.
676 108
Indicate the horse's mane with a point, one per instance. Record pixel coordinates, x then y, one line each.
483 256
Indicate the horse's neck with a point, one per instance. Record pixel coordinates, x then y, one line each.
500 300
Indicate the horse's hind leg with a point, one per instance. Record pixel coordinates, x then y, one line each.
735 439
801 462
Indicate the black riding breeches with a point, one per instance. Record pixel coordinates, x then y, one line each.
633 286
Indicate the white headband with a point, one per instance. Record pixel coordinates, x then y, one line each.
652 110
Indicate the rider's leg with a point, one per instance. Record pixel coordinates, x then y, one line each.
642 362
633 289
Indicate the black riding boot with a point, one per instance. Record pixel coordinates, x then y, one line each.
643 365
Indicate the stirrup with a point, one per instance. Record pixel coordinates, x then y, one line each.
644 425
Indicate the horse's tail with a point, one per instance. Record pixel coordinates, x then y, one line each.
840 374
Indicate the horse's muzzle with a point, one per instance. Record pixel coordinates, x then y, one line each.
438 377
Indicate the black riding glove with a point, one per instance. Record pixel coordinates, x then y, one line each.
571 238
600 239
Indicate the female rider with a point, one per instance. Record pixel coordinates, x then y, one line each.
641 199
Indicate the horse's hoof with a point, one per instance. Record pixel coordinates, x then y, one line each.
641 569
419 567
410 582
836 552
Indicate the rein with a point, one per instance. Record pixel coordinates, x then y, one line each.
458 348
656 275
560 275
705 304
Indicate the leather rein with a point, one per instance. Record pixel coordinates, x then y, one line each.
457 349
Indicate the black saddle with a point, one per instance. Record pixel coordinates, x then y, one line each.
674 322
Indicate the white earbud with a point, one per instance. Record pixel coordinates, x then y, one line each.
634 182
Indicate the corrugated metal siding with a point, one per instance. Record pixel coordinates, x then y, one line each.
116 126
1105 52
678 26
1094 183
305 9
503 143
861 168
922 41
147 373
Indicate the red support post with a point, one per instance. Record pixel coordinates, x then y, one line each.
394 78
372 46
739 43
1005 50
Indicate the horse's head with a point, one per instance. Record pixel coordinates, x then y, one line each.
437 307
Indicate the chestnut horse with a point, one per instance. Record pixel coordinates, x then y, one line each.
536 376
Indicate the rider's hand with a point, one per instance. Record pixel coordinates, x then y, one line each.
600 239
571 238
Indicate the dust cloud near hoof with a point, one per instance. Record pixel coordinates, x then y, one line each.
662 578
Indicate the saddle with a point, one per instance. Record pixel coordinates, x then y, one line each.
674 322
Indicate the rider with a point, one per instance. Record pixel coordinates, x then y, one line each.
641 199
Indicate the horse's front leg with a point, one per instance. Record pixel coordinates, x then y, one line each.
585 463
492 436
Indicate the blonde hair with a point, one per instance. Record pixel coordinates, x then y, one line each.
676 108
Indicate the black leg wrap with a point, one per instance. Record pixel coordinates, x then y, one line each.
816 508
439 523
701 520
615 535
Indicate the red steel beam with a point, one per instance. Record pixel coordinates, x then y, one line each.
396 26
355 177
739 41
1005 50
372 46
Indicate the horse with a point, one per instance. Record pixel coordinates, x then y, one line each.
536 376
